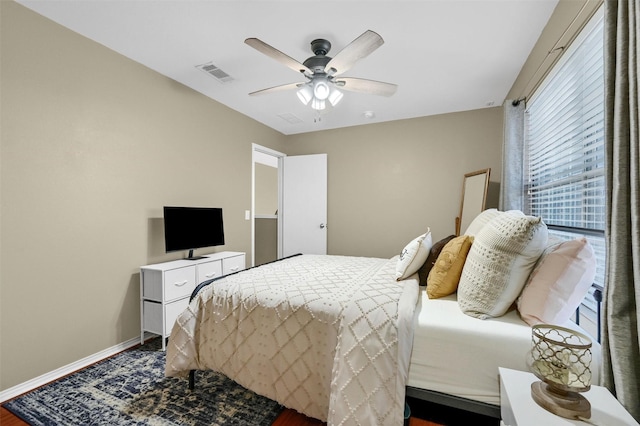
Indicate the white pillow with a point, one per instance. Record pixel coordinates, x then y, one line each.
558 283
500 260
480 221
413 256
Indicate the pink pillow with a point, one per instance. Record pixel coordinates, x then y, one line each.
558 283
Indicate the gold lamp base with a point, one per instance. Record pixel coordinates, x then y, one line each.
570 405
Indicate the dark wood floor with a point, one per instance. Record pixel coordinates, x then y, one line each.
426 415
287 418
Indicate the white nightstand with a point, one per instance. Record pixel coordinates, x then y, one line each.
517 408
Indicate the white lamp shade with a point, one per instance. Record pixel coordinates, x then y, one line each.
335 97
317 104
305 94
321 90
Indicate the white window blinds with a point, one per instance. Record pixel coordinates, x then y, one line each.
565 138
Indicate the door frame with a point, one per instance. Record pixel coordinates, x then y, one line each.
256 151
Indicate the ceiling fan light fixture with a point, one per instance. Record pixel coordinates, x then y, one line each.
305 94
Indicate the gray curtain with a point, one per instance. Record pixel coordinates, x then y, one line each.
511 184
621 347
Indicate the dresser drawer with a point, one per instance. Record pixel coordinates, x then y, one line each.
179 282
232 264
154 315
172 310
209 270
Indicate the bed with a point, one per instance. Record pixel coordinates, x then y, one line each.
344 339
329 336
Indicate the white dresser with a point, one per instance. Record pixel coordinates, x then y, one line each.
165 288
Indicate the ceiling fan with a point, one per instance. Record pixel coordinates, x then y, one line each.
322 71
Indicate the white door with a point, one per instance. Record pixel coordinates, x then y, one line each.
303 218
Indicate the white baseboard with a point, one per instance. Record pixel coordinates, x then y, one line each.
36 382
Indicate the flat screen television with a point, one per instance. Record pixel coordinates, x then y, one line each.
190 228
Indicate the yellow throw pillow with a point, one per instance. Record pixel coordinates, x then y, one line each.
444 276
436 248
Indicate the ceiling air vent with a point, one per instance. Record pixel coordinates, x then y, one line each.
215 72
291 118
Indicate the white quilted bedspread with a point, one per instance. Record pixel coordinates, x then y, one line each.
329 336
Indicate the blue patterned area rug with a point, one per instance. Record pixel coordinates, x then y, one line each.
130 389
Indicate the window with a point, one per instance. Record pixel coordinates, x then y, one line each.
564 146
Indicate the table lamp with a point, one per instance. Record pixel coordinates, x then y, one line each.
561 359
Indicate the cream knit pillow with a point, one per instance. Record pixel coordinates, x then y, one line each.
481 220
501 258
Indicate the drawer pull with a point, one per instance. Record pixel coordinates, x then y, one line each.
180 284
234 268
213 274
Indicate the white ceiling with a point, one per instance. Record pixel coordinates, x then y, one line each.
444 55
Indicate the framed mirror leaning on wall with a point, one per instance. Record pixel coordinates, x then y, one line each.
475 186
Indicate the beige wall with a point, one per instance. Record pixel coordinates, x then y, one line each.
266 240
266 189
388 182
93 145
266 204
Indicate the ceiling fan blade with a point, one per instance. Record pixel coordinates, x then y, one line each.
354 51
362 85
274 53
276 89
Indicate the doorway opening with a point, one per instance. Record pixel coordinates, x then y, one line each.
266 204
